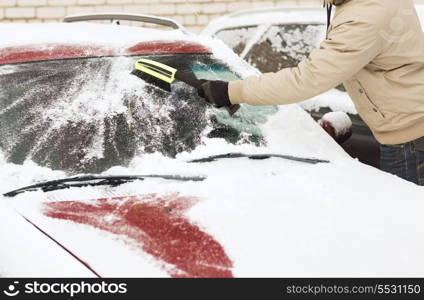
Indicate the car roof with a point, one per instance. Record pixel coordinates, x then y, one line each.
32 42
276 15
273 15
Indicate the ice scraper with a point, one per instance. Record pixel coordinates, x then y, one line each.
163 76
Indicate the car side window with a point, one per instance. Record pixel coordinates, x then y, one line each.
284 46
236 38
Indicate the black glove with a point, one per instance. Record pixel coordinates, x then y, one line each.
215 93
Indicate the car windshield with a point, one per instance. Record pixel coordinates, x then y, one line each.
89 114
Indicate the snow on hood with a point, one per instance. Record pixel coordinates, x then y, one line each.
273 217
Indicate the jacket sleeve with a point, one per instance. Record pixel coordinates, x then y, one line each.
350 46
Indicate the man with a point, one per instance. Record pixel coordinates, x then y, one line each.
376 48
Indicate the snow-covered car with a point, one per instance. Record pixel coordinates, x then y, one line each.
276 38
105 175
55 112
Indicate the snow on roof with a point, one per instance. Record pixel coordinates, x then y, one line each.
277 15
92 34
273 10
274 15
84 33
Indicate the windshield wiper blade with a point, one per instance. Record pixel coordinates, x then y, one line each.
259 157
94 180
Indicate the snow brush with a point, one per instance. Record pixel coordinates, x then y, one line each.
162 76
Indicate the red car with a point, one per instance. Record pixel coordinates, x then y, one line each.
105 175
72 105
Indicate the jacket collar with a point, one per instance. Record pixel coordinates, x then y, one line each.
329 5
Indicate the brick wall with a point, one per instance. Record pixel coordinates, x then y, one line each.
194 14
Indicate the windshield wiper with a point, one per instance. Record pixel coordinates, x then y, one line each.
94 180
258 157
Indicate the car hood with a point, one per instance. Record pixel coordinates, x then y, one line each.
264 218
249 218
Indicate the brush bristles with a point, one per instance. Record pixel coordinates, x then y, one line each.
152 80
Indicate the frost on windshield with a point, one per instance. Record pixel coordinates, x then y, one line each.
236 38
284 46
86 115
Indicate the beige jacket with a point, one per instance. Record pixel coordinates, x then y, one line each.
376 48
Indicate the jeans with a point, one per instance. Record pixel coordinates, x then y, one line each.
405 160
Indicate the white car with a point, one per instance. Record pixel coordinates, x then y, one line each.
105 175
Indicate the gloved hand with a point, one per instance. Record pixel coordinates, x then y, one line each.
215 93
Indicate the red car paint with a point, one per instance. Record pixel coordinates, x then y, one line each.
56 51
329 128
157 226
